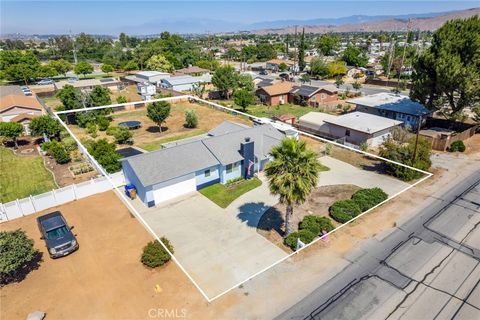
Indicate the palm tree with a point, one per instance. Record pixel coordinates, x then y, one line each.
292 174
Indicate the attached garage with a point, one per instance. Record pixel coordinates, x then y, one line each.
174 188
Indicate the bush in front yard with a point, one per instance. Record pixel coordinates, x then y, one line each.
457 146
316 224
154 254
368 198
306 236
57 151
344 210
191 119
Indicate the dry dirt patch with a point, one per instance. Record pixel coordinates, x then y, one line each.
271 225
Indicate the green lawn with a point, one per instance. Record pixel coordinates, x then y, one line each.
263 111
22 176
155 145
224 195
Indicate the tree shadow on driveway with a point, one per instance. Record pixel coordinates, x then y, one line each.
252 212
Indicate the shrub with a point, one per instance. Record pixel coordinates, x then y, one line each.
306 236
103 123
191 119
104 153
316 224
57 151
92 129
17 253
368 198
457 146
69 144
344 210
122 99
154 254
111 130
122 134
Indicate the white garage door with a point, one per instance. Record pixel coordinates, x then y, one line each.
177 187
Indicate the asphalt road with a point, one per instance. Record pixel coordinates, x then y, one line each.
427 268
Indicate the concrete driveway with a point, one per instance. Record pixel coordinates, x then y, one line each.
218 247
344 173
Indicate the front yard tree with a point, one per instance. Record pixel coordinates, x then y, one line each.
225 79
447 75
243 98
107 68
11 130
292 175
17 253
327 44
305 78
159 63
158 112
83 67
45 125
318 68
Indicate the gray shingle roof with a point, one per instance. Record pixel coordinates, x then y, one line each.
164 164
227 127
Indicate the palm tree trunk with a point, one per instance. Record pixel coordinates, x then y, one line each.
288 218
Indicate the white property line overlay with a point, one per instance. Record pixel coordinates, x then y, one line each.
150 230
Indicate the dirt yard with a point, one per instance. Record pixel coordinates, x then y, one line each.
271 225
104 279
148 136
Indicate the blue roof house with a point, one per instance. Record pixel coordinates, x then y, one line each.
229 151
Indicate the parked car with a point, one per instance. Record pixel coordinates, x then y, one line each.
45 82
26 91
73 79
57 234
284 76
263 72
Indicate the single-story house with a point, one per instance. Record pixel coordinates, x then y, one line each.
261 82
88 84
314 96
16 107
287 118
393 106
274 64
275 94
228 152
184 83
148 76
191 71
356 127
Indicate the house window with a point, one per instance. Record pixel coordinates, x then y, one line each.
408 118
230 168
207 173
347 133
322 96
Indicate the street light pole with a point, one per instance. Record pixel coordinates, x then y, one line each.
416 139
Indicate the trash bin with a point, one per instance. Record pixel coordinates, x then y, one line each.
131 191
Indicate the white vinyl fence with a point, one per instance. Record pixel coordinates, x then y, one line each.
22 207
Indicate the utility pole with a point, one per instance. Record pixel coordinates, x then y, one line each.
74 49
419 125
391 50
409 25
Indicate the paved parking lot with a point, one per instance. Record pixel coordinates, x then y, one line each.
218 247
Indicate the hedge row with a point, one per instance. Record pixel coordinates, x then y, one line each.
344 210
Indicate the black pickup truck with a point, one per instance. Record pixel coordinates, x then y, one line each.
57 234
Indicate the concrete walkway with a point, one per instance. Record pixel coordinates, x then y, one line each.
343 173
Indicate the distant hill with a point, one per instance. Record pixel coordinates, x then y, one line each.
426 22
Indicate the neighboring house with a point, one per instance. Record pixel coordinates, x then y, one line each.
184 83
275 94
261 82
88 84
16 107
355 127
274 64
192 71
148 76
314 96
228 152
393 106
287 118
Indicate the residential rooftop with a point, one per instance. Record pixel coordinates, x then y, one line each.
363 122
391 102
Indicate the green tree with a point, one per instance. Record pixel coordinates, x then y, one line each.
282 67
17 254
191 119
104 153
356 85
45 125
70 98
305 78
292 175
122 135
354 56
225 79
301 52
18 65
100 96
106 68
336 68
447 75
158 112
245 81
339 81
11 130
159 63
83 67
130 65
318 67
243 98
122 99
327 44
61 66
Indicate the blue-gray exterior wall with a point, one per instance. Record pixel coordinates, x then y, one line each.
202 181
131 177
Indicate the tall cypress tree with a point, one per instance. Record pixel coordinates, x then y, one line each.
301 52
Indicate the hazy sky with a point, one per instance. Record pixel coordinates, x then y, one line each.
136 17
